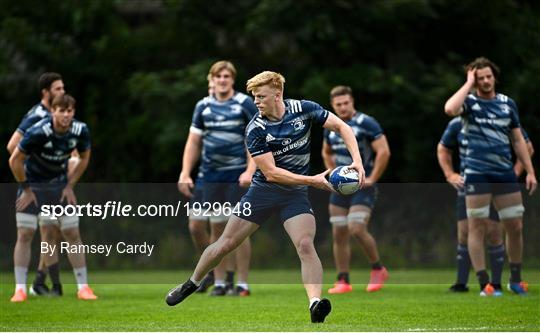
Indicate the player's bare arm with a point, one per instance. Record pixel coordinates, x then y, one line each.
68 194
192 153
245 178
522 153
518 166
454 105
16 137
333 123
274 174
382 156
16 163
444 155
328 156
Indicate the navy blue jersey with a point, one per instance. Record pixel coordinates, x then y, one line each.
366 130
289 139
487 125
454 137
222 126
36 113
49 152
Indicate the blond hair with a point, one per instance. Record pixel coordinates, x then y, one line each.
221 65
272 79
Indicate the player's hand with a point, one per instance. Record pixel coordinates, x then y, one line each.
471 76
27 197
361 173
320 182
68 195
245 179
531 183
456 181
185 185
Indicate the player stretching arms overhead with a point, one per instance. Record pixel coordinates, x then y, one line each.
279 142
491 127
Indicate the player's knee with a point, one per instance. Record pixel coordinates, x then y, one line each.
197 228
514 227
71 235
341 236
494 238
478 213
512 212
358 229
305 246
25 235
216 229
463 234
340 233
462 238
49 233
226 245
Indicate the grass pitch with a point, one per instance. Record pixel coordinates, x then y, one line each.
411 301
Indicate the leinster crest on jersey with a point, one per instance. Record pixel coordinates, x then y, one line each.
298 125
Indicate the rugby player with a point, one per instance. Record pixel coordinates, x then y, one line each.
492 129
217 137
451 139
351 214
50 85
39 164
278 139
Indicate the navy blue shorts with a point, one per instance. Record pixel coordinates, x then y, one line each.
461 209
46 194
494 184
363 197
264 202
222 192
197 194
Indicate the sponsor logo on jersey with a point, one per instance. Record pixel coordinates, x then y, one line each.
476 107
72 143
236 109
505 109
286 142
498 122
269 137
225 123
48 145
291 146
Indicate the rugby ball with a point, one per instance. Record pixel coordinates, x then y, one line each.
344 180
